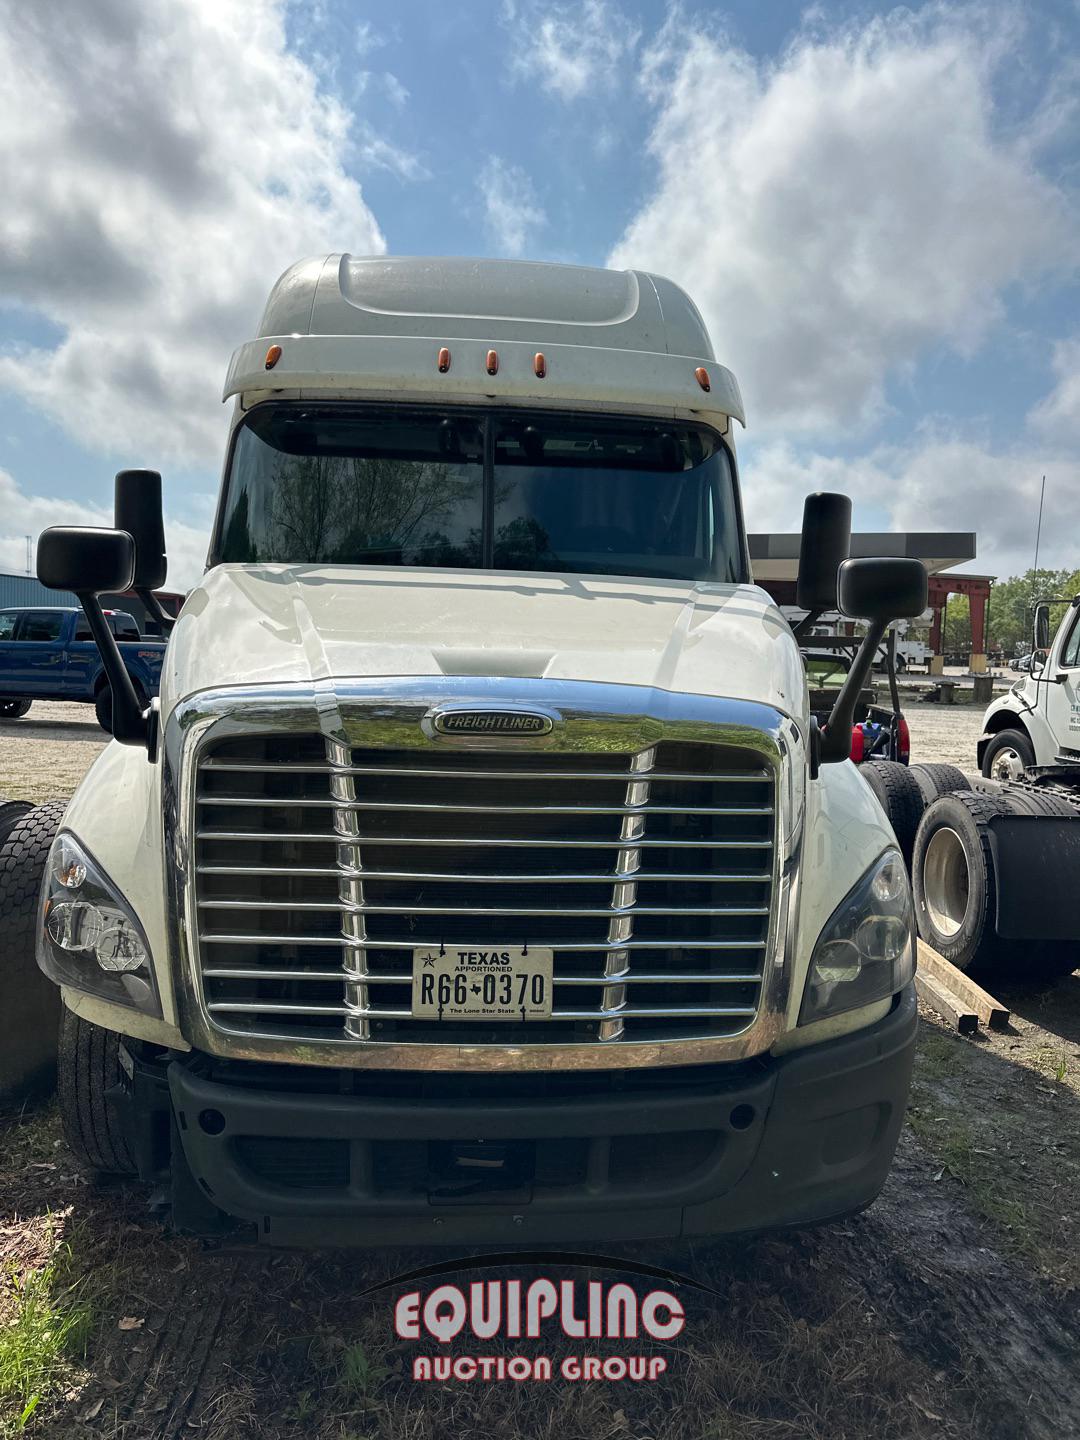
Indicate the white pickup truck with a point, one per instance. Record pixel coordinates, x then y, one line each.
1038 721
481 875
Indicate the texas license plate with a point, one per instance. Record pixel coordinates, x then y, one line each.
511 982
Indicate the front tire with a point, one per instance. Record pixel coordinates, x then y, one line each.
89 1066
29 1003
14 709
1007 755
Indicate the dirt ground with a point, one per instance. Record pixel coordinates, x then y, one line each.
950 1308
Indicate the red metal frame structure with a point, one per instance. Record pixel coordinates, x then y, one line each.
977 589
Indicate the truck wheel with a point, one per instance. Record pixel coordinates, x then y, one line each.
14 709
935 780
899 796
954 882
1007 754
103 705
10 810
29 1003
89 1066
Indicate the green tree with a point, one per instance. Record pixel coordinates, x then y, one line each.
1013 601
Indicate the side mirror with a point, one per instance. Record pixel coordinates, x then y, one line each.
88 561
1041 629
825 544
94 562
137 509
883 590
878 591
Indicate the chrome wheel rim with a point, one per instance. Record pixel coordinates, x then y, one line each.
1007 765
946 882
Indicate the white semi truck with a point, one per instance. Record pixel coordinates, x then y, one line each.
481 875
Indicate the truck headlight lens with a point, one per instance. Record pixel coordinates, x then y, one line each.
88 938
866 952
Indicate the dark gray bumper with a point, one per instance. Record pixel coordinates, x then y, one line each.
777 1142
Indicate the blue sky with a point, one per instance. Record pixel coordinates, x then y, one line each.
875 209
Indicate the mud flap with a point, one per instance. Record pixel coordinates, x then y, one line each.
1036 876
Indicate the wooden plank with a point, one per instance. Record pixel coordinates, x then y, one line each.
990 1011
933 993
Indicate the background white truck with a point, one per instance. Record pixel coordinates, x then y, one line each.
1038 721
481 875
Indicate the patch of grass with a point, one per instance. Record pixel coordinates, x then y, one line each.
359 1375
991 1192
44 1332
940 1056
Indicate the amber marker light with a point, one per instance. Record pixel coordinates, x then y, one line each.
701 375
444 360
492 362
273 355
539 365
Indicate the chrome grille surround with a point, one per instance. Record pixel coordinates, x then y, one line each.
621 723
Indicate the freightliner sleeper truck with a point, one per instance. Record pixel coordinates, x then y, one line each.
480 875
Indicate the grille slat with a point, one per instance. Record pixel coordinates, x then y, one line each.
291 867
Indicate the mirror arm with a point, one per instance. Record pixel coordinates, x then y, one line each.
129 724
154 609
806 623
836 736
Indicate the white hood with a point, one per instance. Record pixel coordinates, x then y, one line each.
248 625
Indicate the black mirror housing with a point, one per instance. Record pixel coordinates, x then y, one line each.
883 589
86 560
137 509
93 562
1041 629
825 544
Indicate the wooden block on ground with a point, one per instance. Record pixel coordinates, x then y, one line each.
990 1011
933 993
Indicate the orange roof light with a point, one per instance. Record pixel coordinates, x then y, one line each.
492 362
539 365
444 360
701 375
273 355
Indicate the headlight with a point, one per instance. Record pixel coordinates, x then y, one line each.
87 936
867 950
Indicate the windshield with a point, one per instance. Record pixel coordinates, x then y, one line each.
503 491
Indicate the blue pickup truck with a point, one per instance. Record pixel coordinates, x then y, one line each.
48 654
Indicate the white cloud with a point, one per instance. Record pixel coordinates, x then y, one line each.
1057 417
161 164
513 213
571 49
934 483
842 211
186 544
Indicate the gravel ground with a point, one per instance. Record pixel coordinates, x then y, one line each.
945 734
46 755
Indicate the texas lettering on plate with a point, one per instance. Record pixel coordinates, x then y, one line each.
503 982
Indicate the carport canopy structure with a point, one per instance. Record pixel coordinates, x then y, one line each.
775 560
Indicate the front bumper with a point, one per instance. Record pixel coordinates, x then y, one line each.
774 1142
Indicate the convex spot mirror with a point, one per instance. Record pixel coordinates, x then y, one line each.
86 560
882 589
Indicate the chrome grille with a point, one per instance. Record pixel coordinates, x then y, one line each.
320 866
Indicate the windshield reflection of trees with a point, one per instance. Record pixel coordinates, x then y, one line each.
329 509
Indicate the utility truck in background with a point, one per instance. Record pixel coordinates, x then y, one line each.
1038 721
481 874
